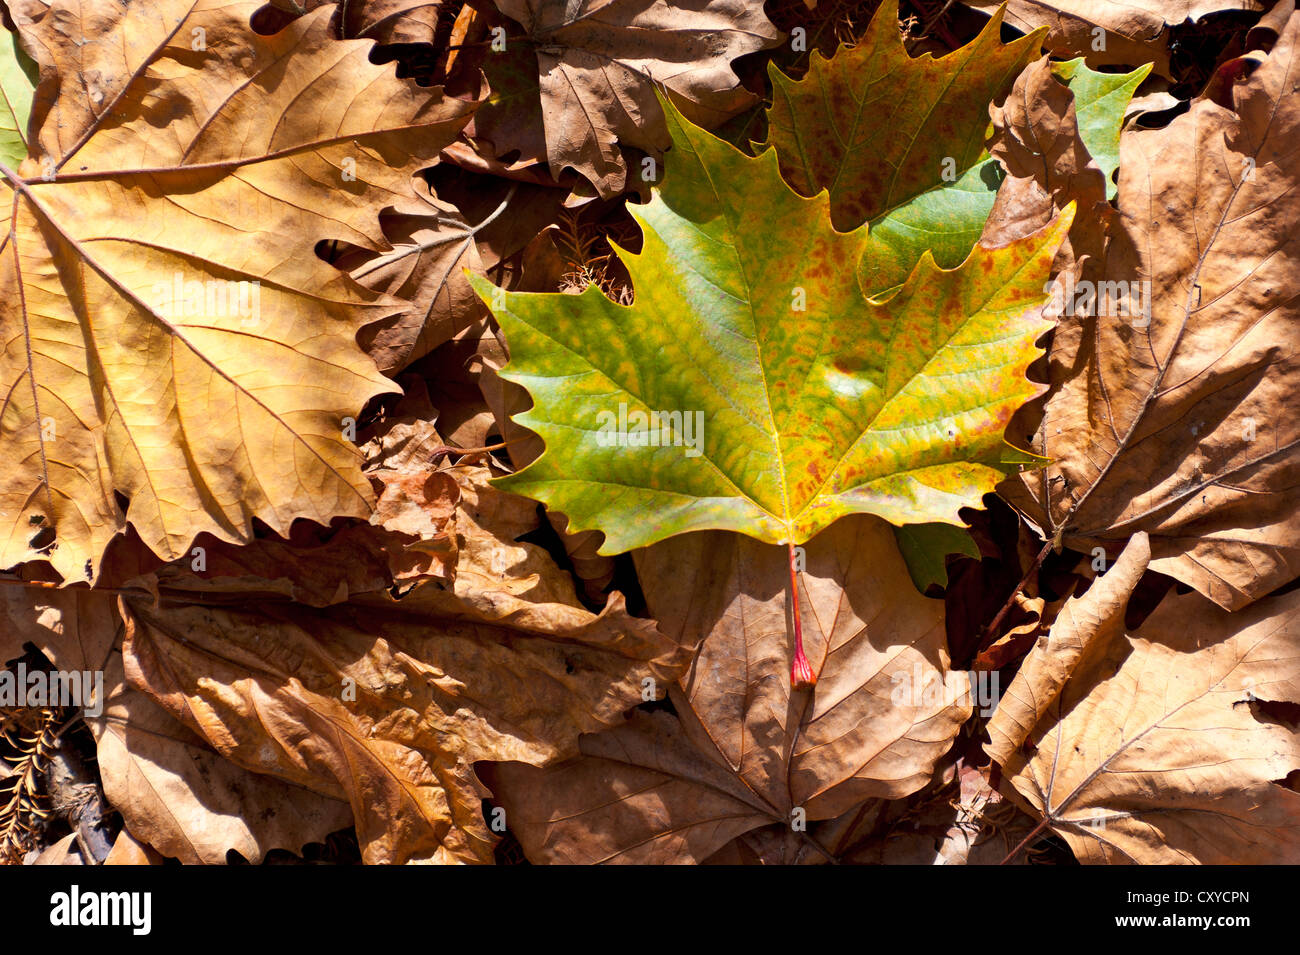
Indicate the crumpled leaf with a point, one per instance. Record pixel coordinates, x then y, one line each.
187 802
388 703
1157 746
176 173
1171 425
1037 135
848 405
599 60
747 752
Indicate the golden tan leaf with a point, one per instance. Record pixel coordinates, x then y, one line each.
169 334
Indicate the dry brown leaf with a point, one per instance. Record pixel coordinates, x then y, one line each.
886 706
746 752
128 851
384 21
431 250
1173 425
963 821
599 60
1036 138
74 628
388 703
640 793
1109 32
167 174
63 852
1015 640
392 21
1157 745
184 800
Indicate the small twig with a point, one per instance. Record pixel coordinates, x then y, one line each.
439 450
991 630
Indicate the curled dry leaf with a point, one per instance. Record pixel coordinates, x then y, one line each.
1158 745
432 248
1036 136
1057 135
599 61
170 335
747 751
388 703
1170 370
172 789
176 794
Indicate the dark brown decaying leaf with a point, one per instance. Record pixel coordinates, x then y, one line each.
599 60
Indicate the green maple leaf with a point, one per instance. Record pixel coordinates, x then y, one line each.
1099 103
792 397
898 141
